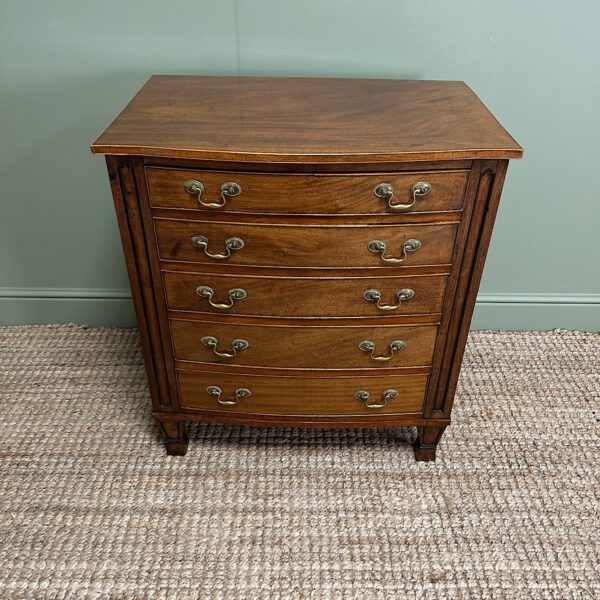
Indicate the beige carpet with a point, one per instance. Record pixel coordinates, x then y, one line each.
91 507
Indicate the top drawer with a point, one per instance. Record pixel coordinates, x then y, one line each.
316 194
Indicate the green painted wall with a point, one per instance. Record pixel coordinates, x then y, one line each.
67 66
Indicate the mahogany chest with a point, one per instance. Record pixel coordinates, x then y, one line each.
302 251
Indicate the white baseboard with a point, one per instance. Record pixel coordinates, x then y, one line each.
113 307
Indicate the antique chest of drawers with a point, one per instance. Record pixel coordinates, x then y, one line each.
305 252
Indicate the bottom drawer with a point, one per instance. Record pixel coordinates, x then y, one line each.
302 396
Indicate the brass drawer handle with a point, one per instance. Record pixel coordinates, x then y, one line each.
215 391
205 291
402 295
232 243
364 396
379 247
369 346
229 189
385 191
236 346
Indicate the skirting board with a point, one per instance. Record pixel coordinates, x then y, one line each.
114 308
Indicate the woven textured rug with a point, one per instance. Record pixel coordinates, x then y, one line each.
91 506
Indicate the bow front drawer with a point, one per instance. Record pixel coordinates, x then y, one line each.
302 346
336 396
305 251
338 246
333 297
322 194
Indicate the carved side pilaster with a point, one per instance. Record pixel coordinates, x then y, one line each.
127 206
487 196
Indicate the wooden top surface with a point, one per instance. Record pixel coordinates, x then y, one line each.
283 119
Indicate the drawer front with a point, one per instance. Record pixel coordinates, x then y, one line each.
302 396
306 296
303 347
345 246
306 194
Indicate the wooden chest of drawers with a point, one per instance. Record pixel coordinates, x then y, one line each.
305 252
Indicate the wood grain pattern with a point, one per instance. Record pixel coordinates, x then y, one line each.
156 357
307 153
160 321
306 194
405 218
489 190
446 328
342 246
304 347
175 435
305 297
285 372
306 119
310 421
428 437
302 396
309 167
